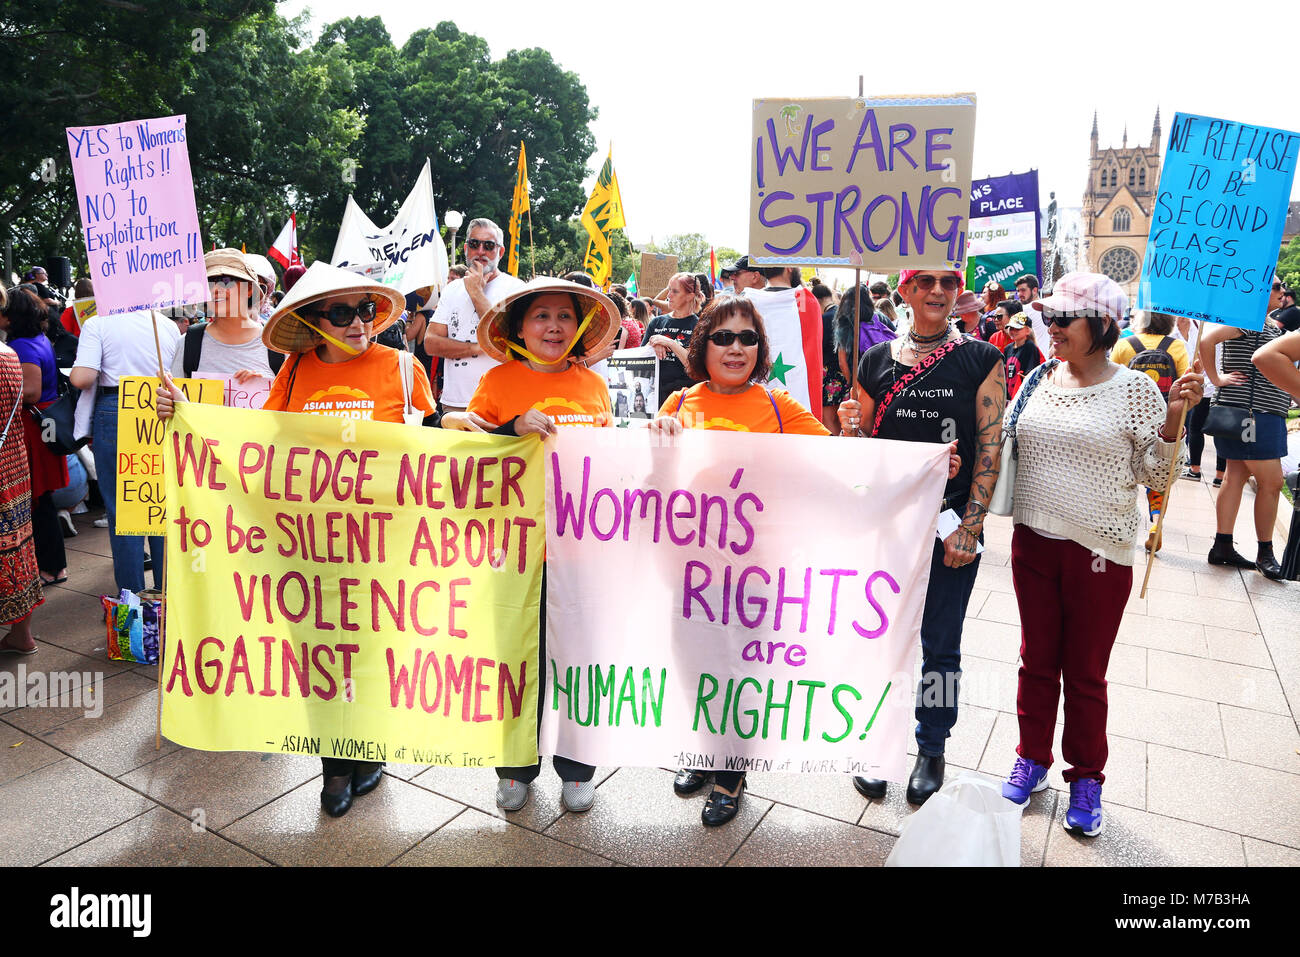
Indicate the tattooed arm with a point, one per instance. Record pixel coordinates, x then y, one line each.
990 401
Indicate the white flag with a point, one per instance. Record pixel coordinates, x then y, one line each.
780 312
285 248
407 254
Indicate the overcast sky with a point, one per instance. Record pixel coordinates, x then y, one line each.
673 82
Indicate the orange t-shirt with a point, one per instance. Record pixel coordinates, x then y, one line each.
748 411
368 386
576 396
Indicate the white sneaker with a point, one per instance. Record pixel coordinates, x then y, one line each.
101 522
578 796
511 795
69 529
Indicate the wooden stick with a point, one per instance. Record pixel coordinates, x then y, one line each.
162 609
1173 467
857 317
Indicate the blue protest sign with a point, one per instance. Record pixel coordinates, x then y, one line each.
1217 225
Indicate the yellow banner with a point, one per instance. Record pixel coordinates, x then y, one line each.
352 589
601 216
141 497
518 206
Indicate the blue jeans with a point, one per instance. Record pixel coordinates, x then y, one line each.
128 550
941 622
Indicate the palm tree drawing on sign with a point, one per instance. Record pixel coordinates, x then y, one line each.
791 113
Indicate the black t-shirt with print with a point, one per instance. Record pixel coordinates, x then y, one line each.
928 408
1021 360
672 374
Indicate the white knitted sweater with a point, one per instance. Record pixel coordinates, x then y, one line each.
1083 454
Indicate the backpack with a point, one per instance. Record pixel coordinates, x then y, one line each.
192 353
1157 363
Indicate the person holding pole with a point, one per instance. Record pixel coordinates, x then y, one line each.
1089 432
110 347
936 385
1258 453
326 327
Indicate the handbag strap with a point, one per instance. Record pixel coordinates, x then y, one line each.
922 368
1026 391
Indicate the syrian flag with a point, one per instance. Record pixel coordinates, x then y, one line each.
285 248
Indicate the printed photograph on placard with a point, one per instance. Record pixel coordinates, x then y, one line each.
633 379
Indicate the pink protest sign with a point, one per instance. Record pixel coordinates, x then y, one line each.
252 393
136 196
728 600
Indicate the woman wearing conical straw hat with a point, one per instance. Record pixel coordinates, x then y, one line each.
326 326
543 336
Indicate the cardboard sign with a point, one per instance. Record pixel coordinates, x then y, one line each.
881 183
1218 219
352 589
746 642
141 490
136 197
656 270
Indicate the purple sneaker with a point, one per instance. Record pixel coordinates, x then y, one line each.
1084 813
1025 778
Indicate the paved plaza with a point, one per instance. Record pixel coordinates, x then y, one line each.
1204 762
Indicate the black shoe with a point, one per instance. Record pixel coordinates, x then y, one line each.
870 787
148 563
721 808
1269 568
336 803
366 777
1229 556
688 781
927 777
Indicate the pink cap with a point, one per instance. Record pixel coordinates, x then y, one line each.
1089 293
907 274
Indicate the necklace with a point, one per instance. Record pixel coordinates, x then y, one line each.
924 340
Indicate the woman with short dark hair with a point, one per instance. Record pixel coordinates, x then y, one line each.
729 358
24 316
1072 550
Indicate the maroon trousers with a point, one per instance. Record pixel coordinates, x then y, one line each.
1071 602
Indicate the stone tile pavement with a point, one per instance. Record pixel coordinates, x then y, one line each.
1204 754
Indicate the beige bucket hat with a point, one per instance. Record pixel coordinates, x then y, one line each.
285 332
493 330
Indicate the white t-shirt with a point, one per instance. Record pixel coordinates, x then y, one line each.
456 311
123 344
1042 337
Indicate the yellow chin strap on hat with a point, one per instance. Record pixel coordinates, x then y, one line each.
321 332
508 346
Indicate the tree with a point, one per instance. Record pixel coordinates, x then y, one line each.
691 250
1288 264
443 97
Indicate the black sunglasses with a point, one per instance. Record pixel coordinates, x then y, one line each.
1277 286
340 315
926 282
1060 319
725 337
224 281
487 245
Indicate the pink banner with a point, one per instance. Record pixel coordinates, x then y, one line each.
728 600
249 394
136 197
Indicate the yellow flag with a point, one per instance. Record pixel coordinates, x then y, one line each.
601 216
518 206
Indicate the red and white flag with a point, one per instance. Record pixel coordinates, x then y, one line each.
285 248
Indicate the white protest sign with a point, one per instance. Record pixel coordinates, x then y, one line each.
407 254
742 640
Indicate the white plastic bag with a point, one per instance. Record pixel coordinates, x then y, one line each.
967 823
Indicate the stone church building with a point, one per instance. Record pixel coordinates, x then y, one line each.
1117 206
